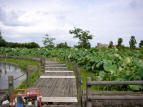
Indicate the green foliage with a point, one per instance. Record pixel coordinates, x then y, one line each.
62 45
103 64
120 40
111 44
48 42
141 44
83 36
3 43
132 42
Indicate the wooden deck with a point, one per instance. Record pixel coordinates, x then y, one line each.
57 84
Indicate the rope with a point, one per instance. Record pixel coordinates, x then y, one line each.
3 80
15 78
19 76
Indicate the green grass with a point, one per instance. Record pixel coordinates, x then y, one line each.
21 62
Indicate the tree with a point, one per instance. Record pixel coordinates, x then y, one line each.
48 42
62 45
110 44
3 43
33 45
120 40
141 44
83 36
132 42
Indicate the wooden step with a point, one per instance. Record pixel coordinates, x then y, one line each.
55 67
57 76
58 71
61 106
60 99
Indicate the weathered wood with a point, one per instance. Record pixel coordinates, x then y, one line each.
57 82
90 98
55 67
59 99
10 86
58 71
88 92
39 69
115 97
115 83
57 76
28 77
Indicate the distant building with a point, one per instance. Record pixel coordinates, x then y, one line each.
99 45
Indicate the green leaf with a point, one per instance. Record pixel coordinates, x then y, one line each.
112 69
128 73
99 64
135 87
102 73
107 64
98 78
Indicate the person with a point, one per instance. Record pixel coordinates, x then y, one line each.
19 101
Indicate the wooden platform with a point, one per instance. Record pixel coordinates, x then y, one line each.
57 84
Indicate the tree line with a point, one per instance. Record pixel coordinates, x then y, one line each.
4 43
83 35
132 43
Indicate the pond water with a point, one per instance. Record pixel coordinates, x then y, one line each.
6 70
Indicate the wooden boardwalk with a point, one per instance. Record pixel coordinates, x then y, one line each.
57 84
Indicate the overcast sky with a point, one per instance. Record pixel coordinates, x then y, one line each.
26 21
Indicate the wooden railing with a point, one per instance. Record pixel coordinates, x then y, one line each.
90 98
78 83
78 79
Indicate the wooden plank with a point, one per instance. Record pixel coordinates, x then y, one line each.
58 71
50 87
55 67
58 88
115 83
59 99
57 76
115 97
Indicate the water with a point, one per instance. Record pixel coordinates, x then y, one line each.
10 70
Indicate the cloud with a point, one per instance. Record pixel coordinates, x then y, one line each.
106 19
12 18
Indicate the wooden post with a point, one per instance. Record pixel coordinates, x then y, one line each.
66 61
10 86
28 77
39 69
5 58
78 83
69 63
88 92
79 91
44 64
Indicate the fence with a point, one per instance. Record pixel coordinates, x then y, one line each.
78 83
74 66
78 79
90 83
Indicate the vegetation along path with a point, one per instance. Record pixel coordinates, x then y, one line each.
57 84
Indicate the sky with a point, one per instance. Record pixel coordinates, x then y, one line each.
25 21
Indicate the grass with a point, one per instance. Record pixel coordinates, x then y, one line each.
21 62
